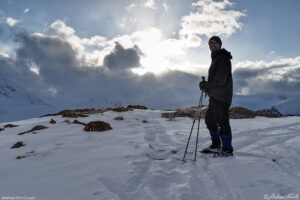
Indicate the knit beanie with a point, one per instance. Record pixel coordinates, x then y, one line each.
217 39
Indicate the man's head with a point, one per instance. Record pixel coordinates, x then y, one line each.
215 43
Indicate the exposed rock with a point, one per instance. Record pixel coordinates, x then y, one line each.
119 118
234 113
67 121
137 107
97 126
119 109
145 121
36 128
77 112
272 113
241 113
27 154
52 121
20 157
74 115
1 129
17 145
78 122
187 112
88 111
50 115
10 126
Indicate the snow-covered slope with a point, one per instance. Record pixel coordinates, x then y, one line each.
289 106
65 162
286 105
16 103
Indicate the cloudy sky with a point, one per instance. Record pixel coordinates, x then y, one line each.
147 50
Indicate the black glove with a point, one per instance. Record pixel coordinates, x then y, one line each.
203 86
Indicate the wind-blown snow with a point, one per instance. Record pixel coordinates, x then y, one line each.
69 163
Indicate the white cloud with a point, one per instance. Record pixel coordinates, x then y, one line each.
47 64
5 49
150 4
161 54
11 21
210 18
127 21
166 7
26 10
55 49
130 7
90 51
35 70
277 76
4 55
158 52
52 91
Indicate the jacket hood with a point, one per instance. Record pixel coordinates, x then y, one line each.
221 52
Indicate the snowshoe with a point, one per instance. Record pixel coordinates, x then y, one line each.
224 154
211 149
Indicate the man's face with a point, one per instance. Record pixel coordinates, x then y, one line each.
213 45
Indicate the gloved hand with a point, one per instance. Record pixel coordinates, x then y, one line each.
203 86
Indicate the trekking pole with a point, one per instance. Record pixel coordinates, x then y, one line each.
196 114
199 118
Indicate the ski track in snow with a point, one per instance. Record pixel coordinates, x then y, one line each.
119 165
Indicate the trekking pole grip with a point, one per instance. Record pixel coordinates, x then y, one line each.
203 78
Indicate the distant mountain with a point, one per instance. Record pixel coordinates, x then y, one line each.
170 99
286 105
16 103
290 106
163 98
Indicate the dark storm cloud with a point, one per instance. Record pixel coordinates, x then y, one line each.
45 50
7 66
55 59
122 59
60 70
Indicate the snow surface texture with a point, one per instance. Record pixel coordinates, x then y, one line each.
17 104
139 160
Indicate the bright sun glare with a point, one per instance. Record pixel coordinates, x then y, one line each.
156 51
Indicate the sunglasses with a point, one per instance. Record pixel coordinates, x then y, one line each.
212 42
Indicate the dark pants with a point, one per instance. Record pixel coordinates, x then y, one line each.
217 117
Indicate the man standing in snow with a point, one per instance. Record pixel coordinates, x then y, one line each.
219 89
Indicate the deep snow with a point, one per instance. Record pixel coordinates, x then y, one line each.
69 163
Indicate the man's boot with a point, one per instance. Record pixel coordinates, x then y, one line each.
227 149
215 143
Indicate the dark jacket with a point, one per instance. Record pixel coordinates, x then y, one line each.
220 76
